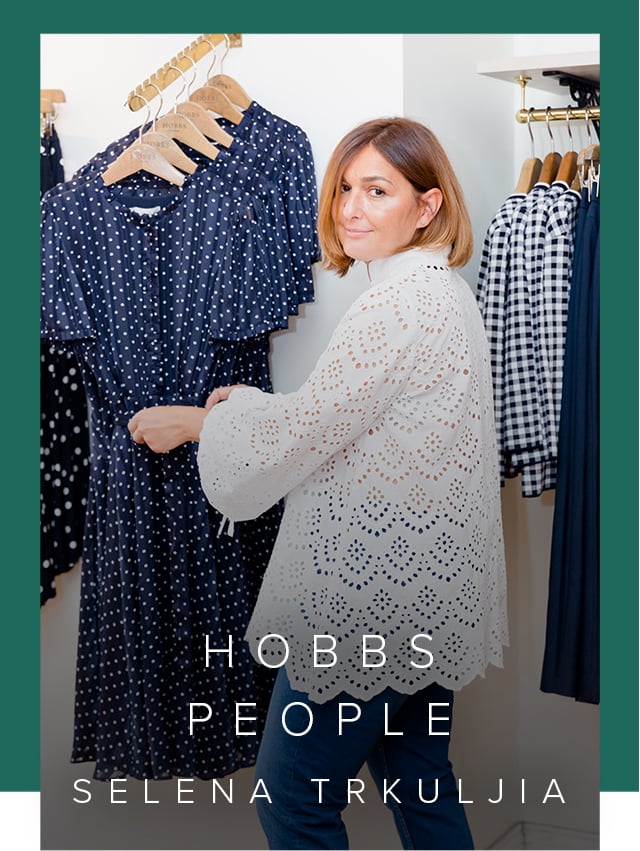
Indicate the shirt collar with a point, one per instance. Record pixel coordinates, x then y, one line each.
386 267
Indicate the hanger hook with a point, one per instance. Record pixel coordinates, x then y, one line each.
213 54
184 81
546 118
195 73
227 46
586 119
533 146
155 117
147 116
568 120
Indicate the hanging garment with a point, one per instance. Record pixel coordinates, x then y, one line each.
289 145
535 329
523 288
281 155
491 289
161 301
538 294
64 432
557 268
571 660
51 162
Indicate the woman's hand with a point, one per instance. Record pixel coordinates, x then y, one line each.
220 394
163 427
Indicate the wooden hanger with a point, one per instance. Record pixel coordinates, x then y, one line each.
550 166
215 99
184 130
529 175
568 167
531 167
569 163
141 157
181 128
205 122
232 89
147 155
172 152
588 157
551 162
195 112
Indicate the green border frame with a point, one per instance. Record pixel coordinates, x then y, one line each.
19 615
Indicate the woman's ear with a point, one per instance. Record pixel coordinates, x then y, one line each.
429 203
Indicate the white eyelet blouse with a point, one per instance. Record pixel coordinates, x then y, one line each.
390 547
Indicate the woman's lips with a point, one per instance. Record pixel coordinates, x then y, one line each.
356 233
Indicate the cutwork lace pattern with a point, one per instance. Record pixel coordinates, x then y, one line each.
392 524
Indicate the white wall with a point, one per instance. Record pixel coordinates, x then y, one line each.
505 727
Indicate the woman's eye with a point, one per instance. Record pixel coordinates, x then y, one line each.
377 192
344 188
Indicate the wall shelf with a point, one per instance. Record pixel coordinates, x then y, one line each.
585 64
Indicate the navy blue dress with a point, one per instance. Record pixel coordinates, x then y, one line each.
267 153
163 294
571 663
64 432
289 145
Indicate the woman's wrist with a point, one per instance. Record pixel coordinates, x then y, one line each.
193 422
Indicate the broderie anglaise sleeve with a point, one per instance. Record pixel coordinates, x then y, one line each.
256 447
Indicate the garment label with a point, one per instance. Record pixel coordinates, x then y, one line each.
146 211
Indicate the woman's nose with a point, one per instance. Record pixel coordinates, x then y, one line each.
351 206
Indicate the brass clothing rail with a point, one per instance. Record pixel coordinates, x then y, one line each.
561 114
163 77
568 113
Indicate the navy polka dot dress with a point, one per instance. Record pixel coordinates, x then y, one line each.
64 432
163 293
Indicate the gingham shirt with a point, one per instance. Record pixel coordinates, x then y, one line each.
523 292
555 286
491 293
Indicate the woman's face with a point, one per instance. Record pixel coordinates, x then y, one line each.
377 210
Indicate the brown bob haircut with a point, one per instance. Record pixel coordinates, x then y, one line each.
414 150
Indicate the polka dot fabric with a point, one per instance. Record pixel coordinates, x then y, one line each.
64 432
161 295
64 465
392 524
267 153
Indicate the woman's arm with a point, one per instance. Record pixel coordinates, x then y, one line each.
257 447
164 427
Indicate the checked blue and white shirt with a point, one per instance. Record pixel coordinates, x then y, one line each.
523 291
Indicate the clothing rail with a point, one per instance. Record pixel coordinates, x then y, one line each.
163 77
563 114
567 113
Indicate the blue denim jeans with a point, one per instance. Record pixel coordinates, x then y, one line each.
298 816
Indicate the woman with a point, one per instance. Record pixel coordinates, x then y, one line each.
385 592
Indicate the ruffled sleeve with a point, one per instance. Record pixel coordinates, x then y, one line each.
256 447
